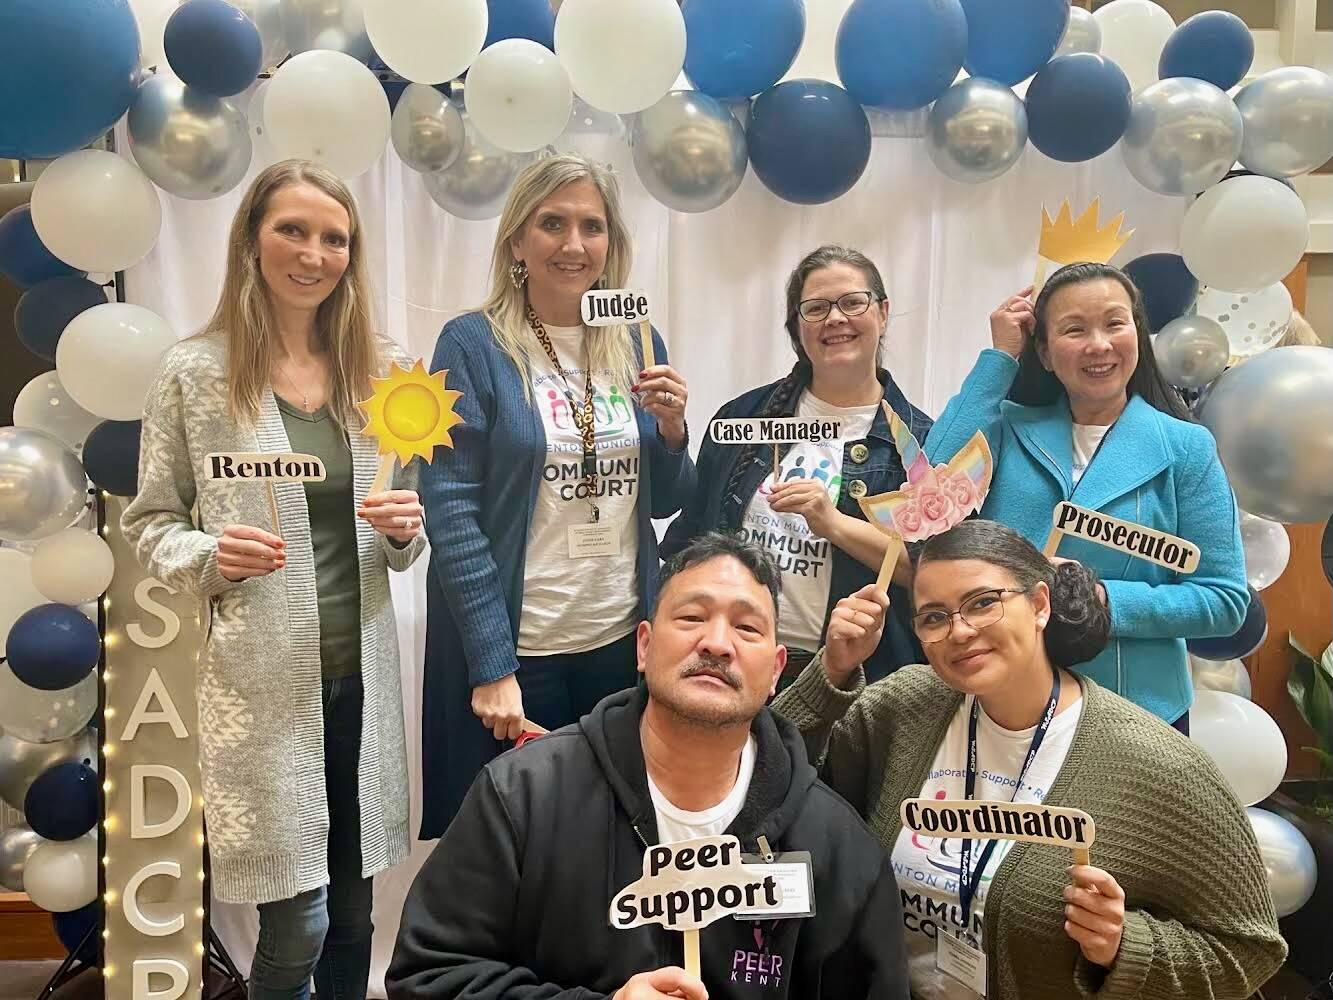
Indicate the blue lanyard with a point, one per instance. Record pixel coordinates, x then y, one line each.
968 879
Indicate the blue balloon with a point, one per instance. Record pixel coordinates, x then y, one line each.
1249 637
739 48
1078 107
68 70
1008 42
532 19
900 54
213 47
45 309
1167 286
24 259
809 141
111 456
52 647
73 929
1215 46
62 803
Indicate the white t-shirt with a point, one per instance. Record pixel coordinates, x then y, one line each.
1087 437
678 824
805 559
573 605
927 867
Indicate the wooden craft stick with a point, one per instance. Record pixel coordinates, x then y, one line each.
273 508
886 568
777 462
1040 278
1052 542
1082 856
531 727
646 341
692 953
382 476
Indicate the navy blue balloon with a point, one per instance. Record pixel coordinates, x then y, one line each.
45 309
213 47
739 48
809 141
62 803
1249 637
52 647
24 259
900 54
531 19
111 457
68 70
1009 41
1215 46
1078 107
73 929
1166 283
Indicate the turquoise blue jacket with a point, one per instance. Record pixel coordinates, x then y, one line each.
1152 469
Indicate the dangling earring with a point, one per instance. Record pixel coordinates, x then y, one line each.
518 273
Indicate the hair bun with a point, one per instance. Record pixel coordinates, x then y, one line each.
1080 624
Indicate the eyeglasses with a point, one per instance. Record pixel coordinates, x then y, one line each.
978 611
851 304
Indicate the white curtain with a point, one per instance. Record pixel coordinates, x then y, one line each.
949 254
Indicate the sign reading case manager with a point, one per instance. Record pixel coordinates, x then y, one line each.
279 467
1126 536
773 430
612 306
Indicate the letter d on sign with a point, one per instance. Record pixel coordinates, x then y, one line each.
145 967
140 828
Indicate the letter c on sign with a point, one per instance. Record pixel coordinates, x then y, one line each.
169 967
135 917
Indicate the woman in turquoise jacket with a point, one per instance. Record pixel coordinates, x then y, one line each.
1074 408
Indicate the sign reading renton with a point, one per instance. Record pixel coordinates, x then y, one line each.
154 818
990 820
1124 536
273 467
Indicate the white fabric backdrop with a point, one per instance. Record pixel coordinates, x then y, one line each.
949 253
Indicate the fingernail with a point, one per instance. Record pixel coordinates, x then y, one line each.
644 373
635 386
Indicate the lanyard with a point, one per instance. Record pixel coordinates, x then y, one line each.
583 415
968 878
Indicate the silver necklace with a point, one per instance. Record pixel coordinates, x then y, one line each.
305 400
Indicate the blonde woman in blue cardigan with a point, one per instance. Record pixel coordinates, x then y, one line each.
1074 408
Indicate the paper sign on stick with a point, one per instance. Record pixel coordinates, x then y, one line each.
1065 240
267 468
1123 536
614 306
408 414
774 430
991 820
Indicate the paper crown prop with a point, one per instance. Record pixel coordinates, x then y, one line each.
408 413
1066 240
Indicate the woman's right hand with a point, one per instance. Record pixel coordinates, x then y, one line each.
1012 323
244 552
499 706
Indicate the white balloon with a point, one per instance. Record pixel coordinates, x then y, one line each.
427 41
622 55
18 594
1289 860
1221 675
1244 234
152 16
1243 741
108 355
325 106
1134 32
72 566
518 95
96 211
61 875
1254 321
252 101
44 404
1267 550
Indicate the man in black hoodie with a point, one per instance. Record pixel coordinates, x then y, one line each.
513 902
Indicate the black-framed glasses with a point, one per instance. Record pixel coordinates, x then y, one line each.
851 304
978 611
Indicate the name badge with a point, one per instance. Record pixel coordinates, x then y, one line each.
795 876
959 960
596 540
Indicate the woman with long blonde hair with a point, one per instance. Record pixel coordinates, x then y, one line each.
543 554
302 753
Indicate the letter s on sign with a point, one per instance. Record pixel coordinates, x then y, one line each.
171 623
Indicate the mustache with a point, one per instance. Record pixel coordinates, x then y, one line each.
714 668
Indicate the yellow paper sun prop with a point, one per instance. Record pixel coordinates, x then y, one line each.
410 412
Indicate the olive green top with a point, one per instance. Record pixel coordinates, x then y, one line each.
332 509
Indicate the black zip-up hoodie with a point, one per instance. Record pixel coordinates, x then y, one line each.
513 902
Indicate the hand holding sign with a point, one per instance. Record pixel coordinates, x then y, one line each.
1012 323
396 514
810 499
244 552
662 984
1095 913
664 394
854 631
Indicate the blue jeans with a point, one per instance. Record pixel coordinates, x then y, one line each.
561 689
325 931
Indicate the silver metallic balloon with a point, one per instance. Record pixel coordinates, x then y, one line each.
1191 351
427 129
1267 550
1272 418
42 485
267 15
689 151
478 183
1288 858
1288 115
21 762
16 846
1222 675
189 144
1183 136
1082 34
976 130
37 716
326 24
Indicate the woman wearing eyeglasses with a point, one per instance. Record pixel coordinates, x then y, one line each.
1176 901
806 514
